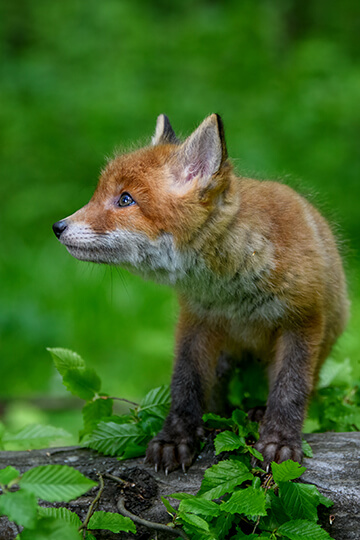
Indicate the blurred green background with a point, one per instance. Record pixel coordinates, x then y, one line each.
79 79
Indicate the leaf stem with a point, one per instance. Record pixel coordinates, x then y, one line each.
120 399
149 524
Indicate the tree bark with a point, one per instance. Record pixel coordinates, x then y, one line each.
334 469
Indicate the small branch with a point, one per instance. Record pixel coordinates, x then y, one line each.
92 507
119 480
149 524
120 399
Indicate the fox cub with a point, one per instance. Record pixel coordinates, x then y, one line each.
254 264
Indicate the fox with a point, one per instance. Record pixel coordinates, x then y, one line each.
255 266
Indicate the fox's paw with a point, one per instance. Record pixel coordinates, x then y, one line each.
278 448
172 449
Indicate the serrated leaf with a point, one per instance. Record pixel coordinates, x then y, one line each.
306 448
19 506
197 505
156 402
111 438
62 514
94 411
84 383
89 536
35 436
51 529
227 441
222 478
56 483
248 501
180 496
301 529
195 520
217 422
170 509
8 474
255 453
112 522
287 470
65 359
223 525
133 450
299 500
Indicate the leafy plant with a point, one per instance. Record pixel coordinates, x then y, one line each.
238 501
122 435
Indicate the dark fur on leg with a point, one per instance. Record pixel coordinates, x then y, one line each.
177 443
280 430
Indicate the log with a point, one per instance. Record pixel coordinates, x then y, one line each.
334 469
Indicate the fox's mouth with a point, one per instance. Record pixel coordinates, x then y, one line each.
86 253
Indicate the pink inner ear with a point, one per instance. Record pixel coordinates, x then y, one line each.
197 168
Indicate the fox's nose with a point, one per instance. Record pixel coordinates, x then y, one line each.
59 227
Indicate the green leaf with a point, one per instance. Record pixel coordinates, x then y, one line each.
35 436
94 411
133 450
170 509
64 359
222 478
217 422
19 506
195 520
51 529
181 496
111 438
299 500
89 536
223 525
196 505
56 482
306 448
288 470
62 514
84 383
112 522
227 441
301 529
254 452
8 474
247 501
156 402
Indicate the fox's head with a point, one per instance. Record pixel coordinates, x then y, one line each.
153 208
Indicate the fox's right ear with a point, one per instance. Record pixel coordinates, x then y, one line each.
164 133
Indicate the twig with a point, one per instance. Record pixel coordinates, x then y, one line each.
92 507
119 480
149 524
120 399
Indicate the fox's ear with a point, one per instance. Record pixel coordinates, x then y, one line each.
164 133
203 153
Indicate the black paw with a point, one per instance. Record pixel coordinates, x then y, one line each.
174 447
278 448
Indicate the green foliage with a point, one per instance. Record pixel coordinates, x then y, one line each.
238 501
52 483
113 522
55 482
35 436
116 435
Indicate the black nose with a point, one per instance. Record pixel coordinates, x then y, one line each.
59 227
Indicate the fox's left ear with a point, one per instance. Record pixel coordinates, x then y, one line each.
164 133
203 153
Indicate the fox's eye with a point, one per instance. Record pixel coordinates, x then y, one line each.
126 200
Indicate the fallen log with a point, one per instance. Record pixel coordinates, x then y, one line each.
334 469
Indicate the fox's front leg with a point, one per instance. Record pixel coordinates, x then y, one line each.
197 351
291 381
